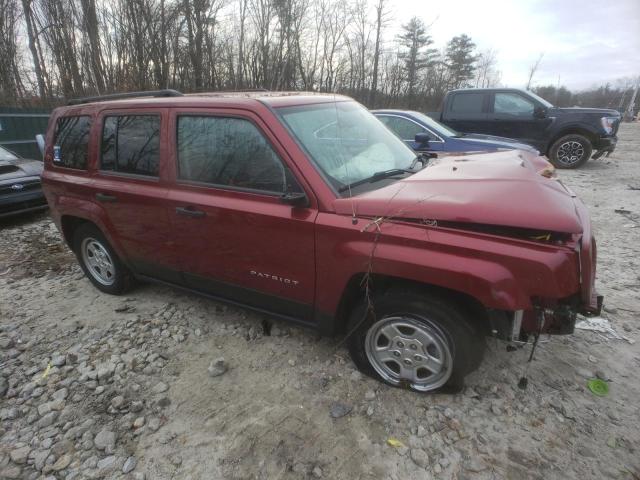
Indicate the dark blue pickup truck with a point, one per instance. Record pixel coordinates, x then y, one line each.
568 136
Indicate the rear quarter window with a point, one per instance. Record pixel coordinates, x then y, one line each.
71 144
467 103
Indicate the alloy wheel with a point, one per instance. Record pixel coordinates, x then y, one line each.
570 153
407 350
98 261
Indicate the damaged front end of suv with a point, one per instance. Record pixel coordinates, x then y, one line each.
521 239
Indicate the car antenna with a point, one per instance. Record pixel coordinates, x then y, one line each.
354 219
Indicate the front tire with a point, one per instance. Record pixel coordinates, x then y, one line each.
99 261
570 151
415 340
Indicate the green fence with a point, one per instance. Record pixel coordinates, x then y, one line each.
18 130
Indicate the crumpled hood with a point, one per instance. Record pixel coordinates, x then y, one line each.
497 188
20 168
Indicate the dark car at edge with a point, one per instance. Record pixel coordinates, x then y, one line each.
20 188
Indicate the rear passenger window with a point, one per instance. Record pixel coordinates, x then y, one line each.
131 144
71 143
227 151
467 103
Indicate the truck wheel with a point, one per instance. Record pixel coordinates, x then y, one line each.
570 151
415 340
99 262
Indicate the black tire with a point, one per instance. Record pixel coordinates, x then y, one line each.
120 280
570 151
466 342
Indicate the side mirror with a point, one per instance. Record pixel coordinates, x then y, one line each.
539 112
295 199
422 139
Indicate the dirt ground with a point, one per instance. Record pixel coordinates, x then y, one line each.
92 386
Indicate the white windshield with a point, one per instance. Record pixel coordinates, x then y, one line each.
346 141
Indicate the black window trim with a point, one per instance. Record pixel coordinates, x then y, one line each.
138 176
440 140
92 123
115 173
217 186
230 188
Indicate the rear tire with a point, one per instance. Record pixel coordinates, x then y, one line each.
99 261
570 151
415 340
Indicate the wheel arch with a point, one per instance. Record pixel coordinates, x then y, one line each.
69 224
591 135
71 221
379 284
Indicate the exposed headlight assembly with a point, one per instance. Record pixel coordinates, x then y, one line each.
608 123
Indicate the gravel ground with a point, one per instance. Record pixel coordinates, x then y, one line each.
95 386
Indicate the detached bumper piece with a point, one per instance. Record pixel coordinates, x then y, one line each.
560 320
604 146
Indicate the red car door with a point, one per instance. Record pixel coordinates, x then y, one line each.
236 237
130 185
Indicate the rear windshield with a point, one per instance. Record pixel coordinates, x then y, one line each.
71 144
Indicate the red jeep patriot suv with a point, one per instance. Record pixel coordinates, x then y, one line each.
304 206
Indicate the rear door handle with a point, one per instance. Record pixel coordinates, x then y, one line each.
103 197
190 212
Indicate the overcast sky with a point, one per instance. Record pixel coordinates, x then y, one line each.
585 42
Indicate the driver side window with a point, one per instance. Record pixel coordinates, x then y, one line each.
229 152
405 129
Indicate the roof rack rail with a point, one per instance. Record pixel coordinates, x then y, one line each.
243 90
118 96
222 92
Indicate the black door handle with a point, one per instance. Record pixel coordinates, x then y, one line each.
190 212
103 197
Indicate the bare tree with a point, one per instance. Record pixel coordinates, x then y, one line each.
381 21
38 67
487 74
11 88
81 47
533 69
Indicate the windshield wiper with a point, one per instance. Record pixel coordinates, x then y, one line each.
375 177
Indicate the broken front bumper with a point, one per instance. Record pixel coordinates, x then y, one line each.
604 145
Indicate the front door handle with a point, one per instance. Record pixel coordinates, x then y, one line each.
103 197
190 212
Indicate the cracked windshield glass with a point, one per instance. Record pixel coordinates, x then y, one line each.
345 141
